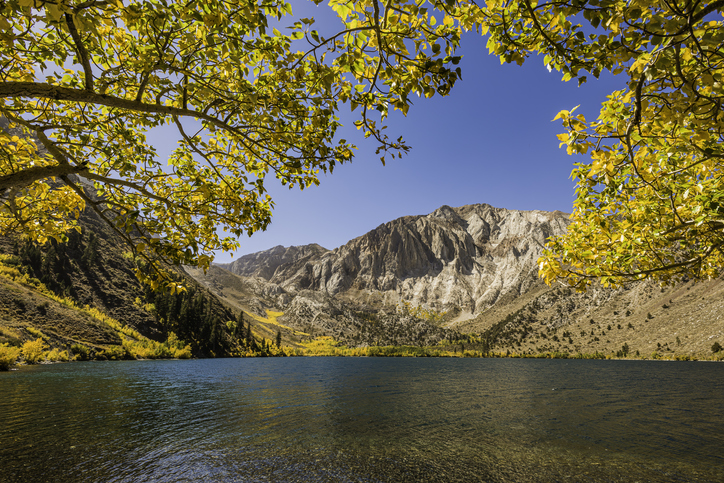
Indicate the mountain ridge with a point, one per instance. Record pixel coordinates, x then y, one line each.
438 260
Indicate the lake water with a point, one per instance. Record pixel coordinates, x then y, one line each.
363 420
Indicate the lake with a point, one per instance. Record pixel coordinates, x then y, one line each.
363 420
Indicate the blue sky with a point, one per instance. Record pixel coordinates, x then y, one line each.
490 141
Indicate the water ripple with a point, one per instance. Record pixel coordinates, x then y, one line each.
362 420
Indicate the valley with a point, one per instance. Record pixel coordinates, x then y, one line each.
458 281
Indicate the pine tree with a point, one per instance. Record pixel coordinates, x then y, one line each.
239 333
248 335
90 253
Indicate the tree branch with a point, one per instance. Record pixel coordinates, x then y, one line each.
28 176
82 52
58 93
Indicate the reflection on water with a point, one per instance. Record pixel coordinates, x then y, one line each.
363 420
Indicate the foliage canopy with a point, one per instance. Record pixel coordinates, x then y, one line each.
254 92
251 93
650 200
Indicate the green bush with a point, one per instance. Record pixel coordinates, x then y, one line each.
716 347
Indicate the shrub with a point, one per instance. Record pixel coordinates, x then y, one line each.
716 347
36 332
114 353
57 356
20 304
184 353
81 352
161 352
33 350
8 356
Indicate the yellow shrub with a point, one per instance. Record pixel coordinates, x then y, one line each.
162 351
81 352
114 353
33 350
184 353
36 332
8 356
177 348
57 356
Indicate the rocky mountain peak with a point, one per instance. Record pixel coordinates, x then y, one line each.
265 263
466 257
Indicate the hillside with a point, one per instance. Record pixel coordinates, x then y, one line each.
308 314
642 319
57 288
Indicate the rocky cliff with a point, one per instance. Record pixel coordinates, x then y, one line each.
466 258
265 263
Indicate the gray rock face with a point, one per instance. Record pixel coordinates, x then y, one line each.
454 258
264 264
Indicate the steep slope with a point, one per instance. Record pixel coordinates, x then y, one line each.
94 269
308 313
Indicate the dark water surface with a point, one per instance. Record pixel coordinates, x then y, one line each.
363 420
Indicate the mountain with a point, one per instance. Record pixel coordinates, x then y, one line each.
458 278
465 259
471 270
